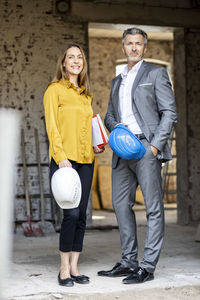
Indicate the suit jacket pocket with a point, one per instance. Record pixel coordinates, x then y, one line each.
145 84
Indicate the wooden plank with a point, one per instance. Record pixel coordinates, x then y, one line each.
95 197
105 186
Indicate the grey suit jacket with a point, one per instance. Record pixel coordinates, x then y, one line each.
153 106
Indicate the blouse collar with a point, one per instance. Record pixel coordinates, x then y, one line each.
71 85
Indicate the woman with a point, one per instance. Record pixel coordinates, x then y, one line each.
68 117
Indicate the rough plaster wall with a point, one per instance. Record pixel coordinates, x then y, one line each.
32 35
103 56
192 47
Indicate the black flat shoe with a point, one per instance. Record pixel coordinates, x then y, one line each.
82 279
139 275
117 271
65 282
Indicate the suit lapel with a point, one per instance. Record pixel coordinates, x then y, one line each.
138 77
116 87
136 109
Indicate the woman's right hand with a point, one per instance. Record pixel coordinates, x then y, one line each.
65 163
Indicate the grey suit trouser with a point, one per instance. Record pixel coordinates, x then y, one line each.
125 179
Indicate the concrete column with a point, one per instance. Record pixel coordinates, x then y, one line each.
181 128
9 137
192 44
187 91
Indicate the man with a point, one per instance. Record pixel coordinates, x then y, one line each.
142 99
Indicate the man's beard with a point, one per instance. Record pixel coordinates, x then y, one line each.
135 59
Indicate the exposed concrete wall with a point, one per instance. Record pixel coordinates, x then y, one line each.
104 54
32 36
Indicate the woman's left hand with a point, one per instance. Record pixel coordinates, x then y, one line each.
98 150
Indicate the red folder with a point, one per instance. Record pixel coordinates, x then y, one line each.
99 134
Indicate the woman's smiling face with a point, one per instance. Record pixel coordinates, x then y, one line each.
73 61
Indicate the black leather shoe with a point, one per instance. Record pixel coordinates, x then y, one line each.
138 276
82 279
117 271
65 282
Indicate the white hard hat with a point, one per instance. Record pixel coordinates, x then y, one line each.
66 187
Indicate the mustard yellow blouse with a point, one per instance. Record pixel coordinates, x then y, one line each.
68 117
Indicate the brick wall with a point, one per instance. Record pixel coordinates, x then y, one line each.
32 35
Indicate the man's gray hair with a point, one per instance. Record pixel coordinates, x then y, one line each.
134 31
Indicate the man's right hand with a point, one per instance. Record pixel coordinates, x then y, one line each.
65 163
122 124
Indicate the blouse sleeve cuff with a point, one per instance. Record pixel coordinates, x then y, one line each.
59 156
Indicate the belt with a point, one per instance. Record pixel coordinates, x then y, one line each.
140 136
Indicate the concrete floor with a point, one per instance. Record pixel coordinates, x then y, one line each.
33 272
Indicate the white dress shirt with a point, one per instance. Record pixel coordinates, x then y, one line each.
125 98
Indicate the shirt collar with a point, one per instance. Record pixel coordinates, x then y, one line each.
134 69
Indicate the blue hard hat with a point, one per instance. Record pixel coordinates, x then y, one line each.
125 144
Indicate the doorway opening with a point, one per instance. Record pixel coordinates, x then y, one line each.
106 60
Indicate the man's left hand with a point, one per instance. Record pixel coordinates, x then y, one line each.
154 150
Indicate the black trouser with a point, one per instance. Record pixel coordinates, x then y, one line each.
74 220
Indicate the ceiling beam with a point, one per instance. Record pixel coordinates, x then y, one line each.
91 11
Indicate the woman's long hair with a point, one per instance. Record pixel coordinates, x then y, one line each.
62 74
